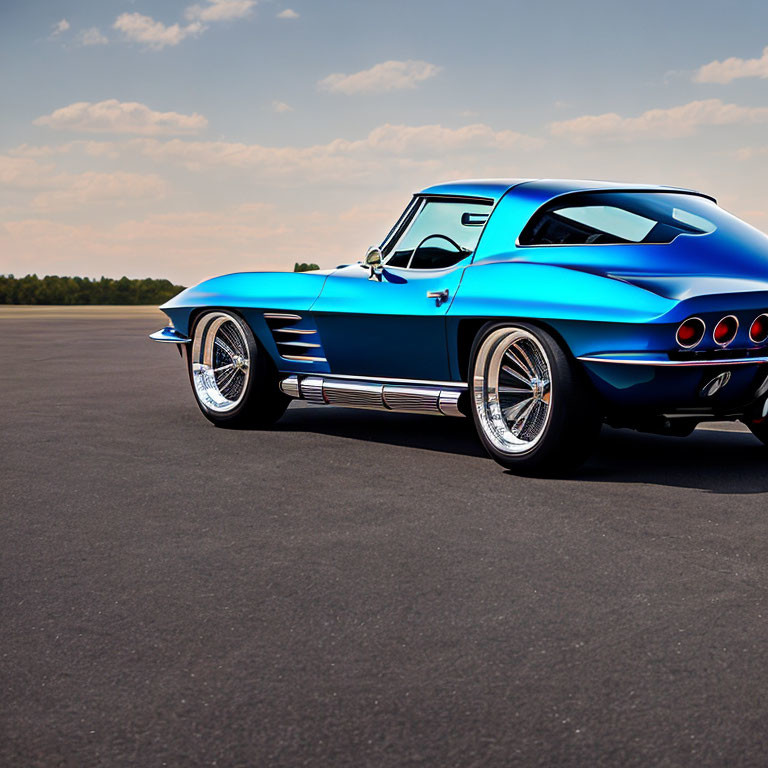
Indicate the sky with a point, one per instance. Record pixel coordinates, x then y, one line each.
184 139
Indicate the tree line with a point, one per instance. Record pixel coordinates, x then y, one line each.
53 289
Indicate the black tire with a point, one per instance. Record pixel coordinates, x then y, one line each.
258 403
759 429
563 422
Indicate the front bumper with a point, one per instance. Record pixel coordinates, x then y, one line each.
169 335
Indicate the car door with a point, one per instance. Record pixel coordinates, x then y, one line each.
392 324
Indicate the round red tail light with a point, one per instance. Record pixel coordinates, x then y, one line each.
758 331
690 332
725 330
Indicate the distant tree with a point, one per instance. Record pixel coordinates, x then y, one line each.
304 267
53 289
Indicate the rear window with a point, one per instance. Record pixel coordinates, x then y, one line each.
602 218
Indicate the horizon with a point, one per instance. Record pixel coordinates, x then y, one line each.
180 140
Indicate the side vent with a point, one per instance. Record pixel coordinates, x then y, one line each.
296 337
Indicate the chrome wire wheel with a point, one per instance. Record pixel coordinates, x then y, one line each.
512 390
221 363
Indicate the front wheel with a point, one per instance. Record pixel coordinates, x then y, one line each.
234 381
533 410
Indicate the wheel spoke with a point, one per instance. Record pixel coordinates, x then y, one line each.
522 418
225 347
511 413
516 376
513 390
523 360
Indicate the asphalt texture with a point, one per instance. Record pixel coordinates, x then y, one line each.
355 588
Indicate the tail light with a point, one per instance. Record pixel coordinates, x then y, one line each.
691 332
758 331
725 330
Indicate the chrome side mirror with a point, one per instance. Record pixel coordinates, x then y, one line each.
374 259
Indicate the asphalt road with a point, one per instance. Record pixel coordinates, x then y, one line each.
354 588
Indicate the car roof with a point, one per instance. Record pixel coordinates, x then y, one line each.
495 189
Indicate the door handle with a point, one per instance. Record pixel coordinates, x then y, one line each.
438 296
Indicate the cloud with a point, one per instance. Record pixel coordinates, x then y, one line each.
113 116
288 13
220 10
74 190
60 27
675 122
340 159
55 190
387 76
92 36
138 28
281 106
733 69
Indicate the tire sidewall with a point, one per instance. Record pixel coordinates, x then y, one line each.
254 358
563 384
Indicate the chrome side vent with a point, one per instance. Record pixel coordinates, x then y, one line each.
296 337
401 396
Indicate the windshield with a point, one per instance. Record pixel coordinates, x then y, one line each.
601 218
439 233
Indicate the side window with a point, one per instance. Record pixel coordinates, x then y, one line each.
438 234
594 218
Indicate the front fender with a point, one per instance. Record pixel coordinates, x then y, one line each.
287 291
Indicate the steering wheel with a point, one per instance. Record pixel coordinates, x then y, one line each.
442 237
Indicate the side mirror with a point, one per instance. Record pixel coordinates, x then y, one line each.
374 259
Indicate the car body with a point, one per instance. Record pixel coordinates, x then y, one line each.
619 278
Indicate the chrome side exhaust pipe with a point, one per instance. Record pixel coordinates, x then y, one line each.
402 397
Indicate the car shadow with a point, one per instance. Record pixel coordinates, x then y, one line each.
708 460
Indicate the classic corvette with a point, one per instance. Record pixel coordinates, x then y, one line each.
540 308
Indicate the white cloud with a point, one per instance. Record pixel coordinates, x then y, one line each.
113 116
220 10
733 69
92 36
281 106
675 122
288 13
55 190
60 27
387 150
74 190
138 28
387 76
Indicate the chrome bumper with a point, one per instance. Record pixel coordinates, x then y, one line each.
656 359
169 335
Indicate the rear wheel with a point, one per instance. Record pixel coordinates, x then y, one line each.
759 429
533 411
234 381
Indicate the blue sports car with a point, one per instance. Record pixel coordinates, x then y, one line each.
540 308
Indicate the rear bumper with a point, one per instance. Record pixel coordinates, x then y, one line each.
658 359
169 335
653 382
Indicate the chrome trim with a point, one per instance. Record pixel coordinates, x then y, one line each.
712 387
290 386
376 394
304 358
169 335
304 344
385 380
755 341
677 363
449 402
700 339
281 316
724 344
311 389
294 330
